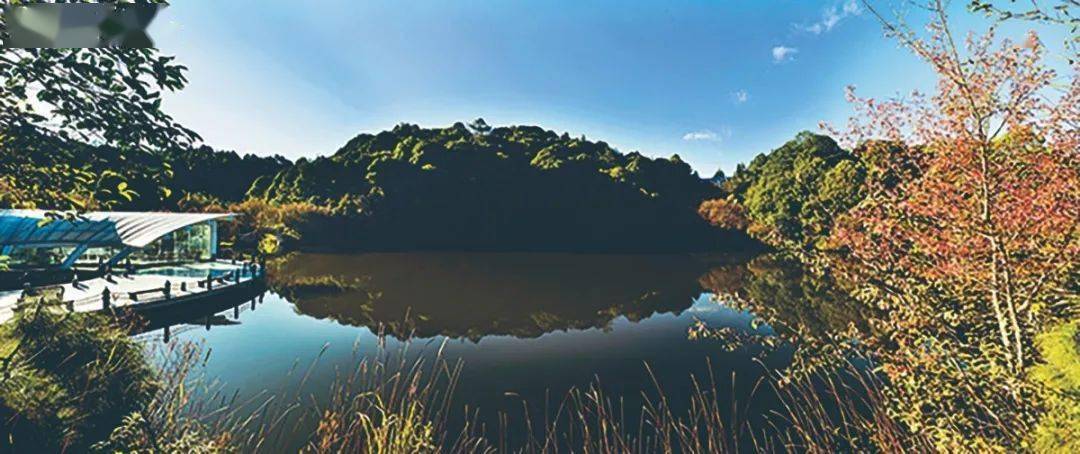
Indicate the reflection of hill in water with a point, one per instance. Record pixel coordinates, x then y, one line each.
791 300
463 295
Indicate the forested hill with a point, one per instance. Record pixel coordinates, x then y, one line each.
507 188
519 188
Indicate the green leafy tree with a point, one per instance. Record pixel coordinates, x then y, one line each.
102 97
106 96
792 193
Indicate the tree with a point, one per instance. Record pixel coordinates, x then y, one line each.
516 188
1060 12
105 96
479 127
791 194
724 213
972 252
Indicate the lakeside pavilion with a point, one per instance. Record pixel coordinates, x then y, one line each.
129 257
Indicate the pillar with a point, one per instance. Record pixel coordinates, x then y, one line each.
213 239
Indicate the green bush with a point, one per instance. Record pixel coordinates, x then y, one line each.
1059 428
71 379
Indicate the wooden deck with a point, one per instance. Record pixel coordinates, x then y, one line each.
140 290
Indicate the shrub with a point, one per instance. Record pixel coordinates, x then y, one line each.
70 380
1059 428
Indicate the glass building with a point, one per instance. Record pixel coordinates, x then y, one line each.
40 239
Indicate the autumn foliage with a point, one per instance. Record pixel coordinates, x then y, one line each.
724 213
973 250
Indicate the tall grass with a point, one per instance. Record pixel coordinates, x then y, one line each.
385 403
836 412
400 402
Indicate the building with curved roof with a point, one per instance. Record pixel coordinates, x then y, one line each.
112 235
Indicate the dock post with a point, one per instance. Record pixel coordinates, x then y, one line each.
236 276
166 334
252 304
208 323
209 281
167 290
106 299
236 312
183 286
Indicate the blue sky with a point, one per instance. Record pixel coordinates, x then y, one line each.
716 82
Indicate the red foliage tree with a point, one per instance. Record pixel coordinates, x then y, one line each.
724 213
968 237
989 202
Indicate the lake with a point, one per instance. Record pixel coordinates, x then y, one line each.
526 328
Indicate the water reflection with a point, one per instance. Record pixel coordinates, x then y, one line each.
469 296
795 302
526 327
475 295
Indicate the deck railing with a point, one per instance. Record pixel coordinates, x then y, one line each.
169 290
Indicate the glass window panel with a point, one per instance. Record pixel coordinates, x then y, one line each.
38 257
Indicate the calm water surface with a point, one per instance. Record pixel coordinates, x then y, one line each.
524 326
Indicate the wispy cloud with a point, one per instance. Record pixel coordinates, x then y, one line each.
708 135
781 53
831 17
704 134
740 96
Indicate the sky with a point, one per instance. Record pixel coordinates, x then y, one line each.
716 82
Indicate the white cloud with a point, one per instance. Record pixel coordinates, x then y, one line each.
704 134
708 135
740 96
832 16
781 53
851 8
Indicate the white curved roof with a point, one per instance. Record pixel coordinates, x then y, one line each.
27 228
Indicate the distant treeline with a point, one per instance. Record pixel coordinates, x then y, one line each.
45 171
511 188
463 187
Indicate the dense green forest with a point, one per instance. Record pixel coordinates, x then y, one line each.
462 187
516 188
469 187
